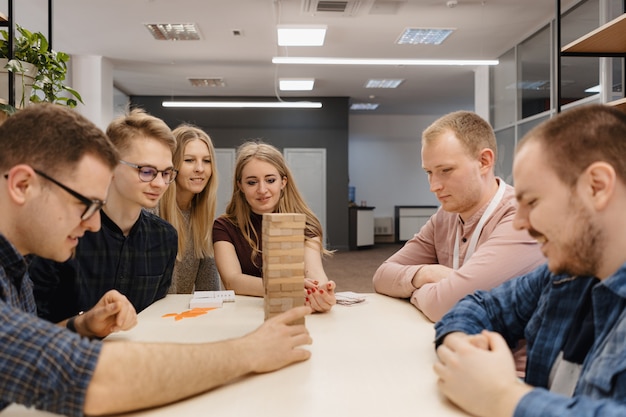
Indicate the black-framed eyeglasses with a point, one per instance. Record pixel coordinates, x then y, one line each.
92 205
148 174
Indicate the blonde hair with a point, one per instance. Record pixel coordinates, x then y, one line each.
203 204
137 123
238 210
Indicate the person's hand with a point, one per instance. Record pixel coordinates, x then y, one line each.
430 274
478 374
111 314
320 296
277 343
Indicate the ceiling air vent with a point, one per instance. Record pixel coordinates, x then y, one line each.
207 82
336 7
331 6
173 31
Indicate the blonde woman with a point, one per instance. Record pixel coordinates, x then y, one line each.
264 184
189 205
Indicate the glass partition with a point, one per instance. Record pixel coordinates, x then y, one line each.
503 90
505 139
533 84
580 76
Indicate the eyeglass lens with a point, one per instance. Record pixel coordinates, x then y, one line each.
147 174
92 209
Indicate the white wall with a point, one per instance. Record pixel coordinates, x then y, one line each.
92 77
385 163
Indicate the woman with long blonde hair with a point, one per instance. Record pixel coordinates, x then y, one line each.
189 205
264 184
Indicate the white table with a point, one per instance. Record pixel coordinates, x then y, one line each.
370 359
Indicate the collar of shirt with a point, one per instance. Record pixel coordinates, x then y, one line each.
14 263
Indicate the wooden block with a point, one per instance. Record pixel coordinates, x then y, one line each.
283 259
277 266
279 251
283 217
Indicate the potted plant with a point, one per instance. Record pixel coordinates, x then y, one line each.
51 68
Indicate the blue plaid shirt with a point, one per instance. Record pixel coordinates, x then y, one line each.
41 365
541 307
139 266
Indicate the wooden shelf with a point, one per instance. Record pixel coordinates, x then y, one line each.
3 17
619 104
609 38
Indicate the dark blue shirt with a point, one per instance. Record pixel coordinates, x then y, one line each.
41 365
139 266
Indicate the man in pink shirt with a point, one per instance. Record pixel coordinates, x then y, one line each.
470 243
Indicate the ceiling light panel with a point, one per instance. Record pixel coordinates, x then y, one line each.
423 36
384 83
296 84
364 106
173 31
301 35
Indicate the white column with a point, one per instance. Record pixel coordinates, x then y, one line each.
481 91
92 77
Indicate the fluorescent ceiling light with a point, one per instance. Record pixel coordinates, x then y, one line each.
383 83
364 106
415 36
174 31
296 84
245 104
371 61
301 35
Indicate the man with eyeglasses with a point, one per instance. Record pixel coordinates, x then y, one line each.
135 250
55 172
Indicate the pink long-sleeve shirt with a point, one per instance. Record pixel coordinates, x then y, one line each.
501 253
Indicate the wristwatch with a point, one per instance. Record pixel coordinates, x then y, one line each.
70 322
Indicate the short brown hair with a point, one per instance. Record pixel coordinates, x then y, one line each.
137 123
472 131
576 138
52 138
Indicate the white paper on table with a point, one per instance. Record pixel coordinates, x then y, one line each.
224 295
349 298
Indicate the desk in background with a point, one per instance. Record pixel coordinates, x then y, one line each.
370 359
361 227
410 219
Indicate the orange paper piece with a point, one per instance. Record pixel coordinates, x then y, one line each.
194 312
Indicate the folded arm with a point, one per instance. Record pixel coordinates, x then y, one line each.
504 255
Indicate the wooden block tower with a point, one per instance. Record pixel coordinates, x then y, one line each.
283 262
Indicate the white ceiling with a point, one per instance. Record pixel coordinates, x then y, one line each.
144 66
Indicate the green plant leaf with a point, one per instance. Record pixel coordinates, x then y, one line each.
32 47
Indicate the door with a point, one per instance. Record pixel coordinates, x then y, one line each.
308 166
